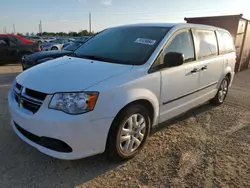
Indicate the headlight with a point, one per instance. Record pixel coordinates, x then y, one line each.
74 103
44 59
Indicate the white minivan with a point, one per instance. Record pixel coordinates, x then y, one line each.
119 85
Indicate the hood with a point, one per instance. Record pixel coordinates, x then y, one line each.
44 54
67 74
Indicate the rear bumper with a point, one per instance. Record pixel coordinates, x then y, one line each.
232 78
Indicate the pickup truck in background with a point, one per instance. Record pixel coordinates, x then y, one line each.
13 48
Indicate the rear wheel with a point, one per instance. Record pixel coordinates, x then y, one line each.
128 133
222 92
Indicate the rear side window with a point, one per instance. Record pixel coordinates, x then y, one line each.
226 44
182 43
206 43
14 41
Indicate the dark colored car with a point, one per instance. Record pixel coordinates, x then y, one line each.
13 48
43 56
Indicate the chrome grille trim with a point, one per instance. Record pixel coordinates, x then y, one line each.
25 101
30 98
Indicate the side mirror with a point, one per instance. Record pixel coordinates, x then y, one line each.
173 59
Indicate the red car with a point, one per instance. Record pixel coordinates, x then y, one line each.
24 40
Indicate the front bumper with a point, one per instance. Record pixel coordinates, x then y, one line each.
86 136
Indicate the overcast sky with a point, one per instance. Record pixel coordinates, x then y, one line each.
72 15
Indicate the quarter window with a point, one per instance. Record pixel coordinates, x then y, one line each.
206 43
182 43
226 44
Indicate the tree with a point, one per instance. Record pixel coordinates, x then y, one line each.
27 34
83 33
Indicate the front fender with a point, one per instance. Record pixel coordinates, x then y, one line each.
118 100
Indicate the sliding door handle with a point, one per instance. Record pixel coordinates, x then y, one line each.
204 68
194 70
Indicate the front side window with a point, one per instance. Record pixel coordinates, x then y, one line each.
182 43
206 43
123 45
226 44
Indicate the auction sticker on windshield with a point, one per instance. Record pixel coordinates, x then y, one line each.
145 41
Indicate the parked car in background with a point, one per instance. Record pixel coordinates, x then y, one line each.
35 39
85 37
13 48
82 39
43 56
48 39
17 38
118 86
56 44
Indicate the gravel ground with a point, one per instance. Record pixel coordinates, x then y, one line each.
207 147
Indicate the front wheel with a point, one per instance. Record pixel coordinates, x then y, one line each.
128 133
222 92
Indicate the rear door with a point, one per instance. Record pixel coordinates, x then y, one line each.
210 63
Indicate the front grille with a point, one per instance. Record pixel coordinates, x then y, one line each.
28 99
35 94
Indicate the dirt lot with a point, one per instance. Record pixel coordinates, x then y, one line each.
207 147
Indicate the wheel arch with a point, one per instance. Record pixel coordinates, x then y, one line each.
145 103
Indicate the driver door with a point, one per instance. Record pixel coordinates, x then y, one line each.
179 83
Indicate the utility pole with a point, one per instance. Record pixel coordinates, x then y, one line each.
5 30
41 27
89 22
14 28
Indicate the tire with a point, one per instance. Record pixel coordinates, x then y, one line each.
22 56
54 48
124 150
222 92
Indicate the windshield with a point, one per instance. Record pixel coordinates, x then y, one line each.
72 47
123 45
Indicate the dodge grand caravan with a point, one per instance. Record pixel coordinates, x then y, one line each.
118 86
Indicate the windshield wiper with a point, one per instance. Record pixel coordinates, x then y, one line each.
92 57
73 55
